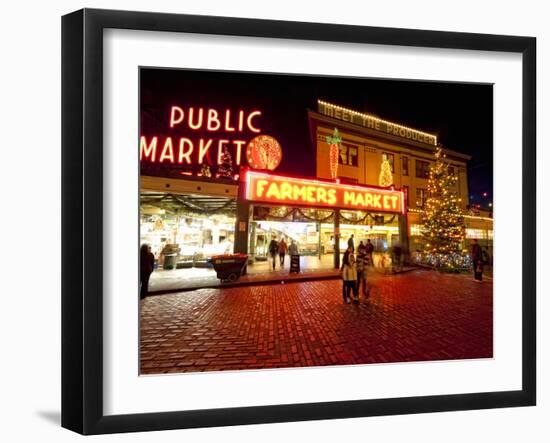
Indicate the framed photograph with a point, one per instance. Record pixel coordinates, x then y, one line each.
269 221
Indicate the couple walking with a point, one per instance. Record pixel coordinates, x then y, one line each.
281 248
354 274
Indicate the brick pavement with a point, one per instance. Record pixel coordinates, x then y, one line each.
421 315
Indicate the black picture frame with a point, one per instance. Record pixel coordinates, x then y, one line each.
82 230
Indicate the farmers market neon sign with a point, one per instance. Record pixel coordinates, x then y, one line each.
267 188
210 131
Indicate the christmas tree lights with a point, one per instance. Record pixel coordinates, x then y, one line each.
442 219
226 167
334 151
385 178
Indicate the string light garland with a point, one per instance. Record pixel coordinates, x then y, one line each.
378 119
442 219
385 179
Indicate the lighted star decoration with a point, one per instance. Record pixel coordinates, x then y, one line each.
334 141
264 152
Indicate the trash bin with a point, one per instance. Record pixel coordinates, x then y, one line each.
170 261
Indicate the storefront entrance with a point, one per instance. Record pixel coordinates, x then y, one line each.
313 232
184 231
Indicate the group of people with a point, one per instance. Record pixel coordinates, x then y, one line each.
280 249
354 270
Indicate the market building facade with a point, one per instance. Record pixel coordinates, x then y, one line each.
195 208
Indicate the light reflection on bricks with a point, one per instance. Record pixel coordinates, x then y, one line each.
417 316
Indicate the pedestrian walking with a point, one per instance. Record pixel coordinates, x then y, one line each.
361 266
370 249
273 250
477 261
146 267
293 248
351 243
282 251
349 276
361 249
396 256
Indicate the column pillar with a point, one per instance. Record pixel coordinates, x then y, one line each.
403 224
337 238
242 220
319 244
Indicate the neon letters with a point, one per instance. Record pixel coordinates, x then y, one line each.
186 148
261 187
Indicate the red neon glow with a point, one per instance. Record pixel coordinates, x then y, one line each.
228 128
176 116
198 123
238 150
249 121
264 152
148 151
213 121
241 120
286 190
203 149
221 146
167 151
185 150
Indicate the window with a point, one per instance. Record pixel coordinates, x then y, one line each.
389 158
406 189
348 155
422 169
451 170
420 197
480 234
405 165
344 179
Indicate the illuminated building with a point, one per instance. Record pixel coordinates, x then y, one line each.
367 141
186 203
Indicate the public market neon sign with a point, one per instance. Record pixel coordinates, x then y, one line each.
267 188
192 150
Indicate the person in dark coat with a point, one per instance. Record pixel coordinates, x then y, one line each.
369 249
146 267
477 261
273 250
351 243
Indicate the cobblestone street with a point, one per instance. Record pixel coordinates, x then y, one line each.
420 315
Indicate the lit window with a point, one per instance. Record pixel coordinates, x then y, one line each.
416 230
422 169
348 155
480 234
420 197
405 165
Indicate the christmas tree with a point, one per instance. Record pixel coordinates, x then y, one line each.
385 178
442 217
226 167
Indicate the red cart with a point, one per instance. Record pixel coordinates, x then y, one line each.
229 267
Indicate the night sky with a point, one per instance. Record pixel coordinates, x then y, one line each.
461 115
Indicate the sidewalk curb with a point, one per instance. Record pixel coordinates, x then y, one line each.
271 281
238 284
